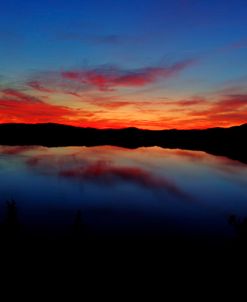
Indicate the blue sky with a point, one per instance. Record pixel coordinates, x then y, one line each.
57 36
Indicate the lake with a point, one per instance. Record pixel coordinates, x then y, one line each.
145 191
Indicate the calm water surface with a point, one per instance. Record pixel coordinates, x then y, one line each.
142 191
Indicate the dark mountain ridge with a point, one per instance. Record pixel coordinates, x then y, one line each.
229 142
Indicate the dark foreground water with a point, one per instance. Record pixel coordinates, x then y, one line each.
119 192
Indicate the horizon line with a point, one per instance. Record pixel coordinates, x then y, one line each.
81 127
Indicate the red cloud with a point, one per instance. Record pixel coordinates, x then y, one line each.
42 87
234 101
103 171
16 106
197 112
110 78
183 103
228 111
113 104
196 101
230 104
16 94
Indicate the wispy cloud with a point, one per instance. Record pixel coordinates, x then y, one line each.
110 78
98 103
226 110
229 104
104 78
36 85
235 45
13 94
190 102
108 173
115 104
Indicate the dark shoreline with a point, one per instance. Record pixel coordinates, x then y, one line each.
229 142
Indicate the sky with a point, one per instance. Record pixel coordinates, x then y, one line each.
150 64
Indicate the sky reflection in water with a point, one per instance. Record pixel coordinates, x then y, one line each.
145 190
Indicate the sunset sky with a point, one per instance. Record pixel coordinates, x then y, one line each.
153 64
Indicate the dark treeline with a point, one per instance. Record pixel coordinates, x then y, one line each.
229 142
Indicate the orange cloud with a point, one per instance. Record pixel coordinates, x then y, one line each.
229 111
16 106
121 111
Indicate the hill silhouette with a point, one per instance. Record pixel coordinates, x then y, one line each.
229 142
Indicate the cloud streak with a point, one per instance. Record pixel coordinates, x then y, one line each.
100 79
105 172
36 85
16 106
101 171
100 108
229 104
111 78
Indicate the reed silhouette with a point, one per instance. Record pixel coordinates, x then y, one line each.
11 223
80 237
240 228
12 229
79 229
